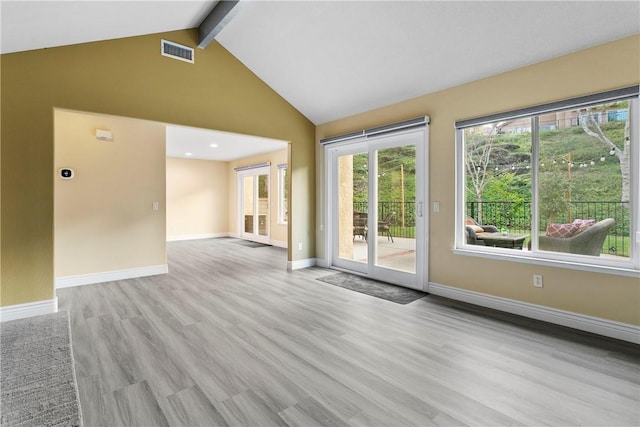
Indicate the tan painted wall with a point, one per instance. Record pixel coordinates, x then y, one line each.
278 232
605 67
129 78
197 197
103 217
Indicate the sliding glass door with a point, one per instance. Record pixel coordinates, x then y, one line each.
377 193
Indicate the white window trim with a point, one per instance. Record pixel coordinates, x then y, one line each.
629 267
282 203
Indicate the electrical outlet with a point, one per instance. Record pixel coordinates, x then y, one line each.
155 206
436 206
537 280
299 246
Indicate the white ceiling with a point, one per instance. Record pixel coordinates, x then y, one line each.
333 59
28 25
228 146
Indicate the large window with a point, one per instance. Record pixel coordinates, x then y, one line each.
556 182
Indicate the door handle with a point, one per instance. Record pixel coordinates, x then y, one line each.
420 206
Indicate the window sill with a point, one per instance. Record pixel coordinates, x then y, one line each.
529 258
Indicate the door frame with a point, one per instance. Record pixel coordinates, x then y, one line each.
331 151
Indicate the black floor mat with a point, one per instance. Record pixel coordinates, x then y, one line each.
377 289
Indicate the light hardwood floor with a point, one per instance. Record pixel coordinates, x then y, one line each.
229 337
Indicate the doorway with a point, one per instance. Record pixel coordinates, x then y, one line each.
376 194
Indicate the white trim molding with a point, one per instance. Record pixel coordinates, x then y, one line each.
596 325
109 276
30 309
300 264
197 236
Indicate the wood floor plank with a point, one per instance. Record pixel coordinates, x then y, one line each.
190 407
229 337
247 409
160 368
137 405
309 412
116 365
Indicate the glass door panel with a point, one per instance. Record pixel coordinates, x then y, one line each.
263 205
248 204
352 215
396 219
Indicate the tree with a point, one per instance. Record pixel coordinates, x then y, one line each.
478 145
552 200
592 128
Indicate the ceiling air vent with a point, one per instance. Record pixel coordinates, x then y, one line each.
176 51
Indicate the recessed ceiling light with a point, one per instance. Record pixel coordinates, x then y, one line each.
188 154
213 145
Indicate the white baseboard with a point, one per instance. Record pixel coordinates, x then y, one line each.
109 276
596 325
196 236
279 244
30 309
301 263
321 262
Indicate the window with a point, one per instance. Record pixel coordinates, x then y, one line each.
283 212
555 182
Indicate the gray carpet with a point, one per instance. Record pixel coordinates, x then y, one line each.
249 243
377 289
37 377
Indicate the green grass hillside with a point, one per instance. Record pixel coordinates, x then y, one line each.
595 175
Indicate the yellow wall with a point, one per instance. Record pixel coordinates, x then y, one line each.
197 197
278 232
125 77
601 68
103 217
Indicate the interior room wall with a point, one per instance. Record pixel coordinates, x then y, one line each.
126 77
197 198
278 232
609 66
103 217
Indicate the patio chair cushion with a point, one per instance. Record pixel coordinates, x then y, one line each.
469 222
562 231
583 224
476 228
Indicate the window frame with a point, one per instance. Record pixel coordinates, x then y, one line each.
282 191
625 267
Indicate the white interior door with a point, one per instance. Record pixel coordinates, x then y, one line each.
377 192
253 204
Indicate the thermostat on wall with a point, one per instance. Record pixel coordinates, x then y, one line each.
66 173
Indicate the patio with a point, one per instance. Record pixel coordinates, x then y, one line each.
399 254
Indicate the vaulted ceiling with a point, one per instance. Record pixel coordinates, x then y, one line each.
332 59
